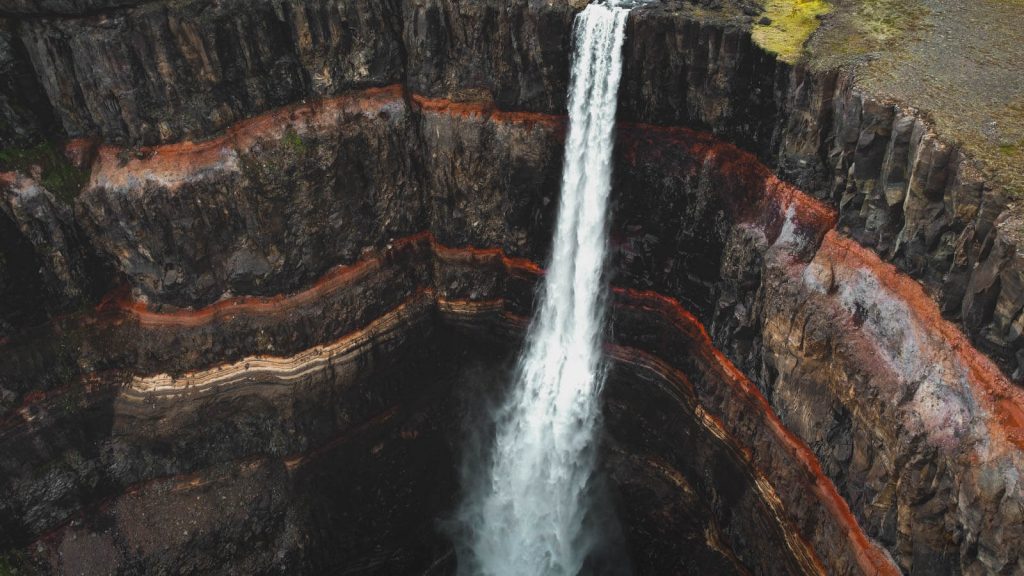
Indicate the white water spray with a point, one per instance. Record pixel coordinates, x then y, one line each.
526 516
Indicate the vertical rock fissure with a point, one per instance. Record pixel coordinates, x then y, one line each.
527 511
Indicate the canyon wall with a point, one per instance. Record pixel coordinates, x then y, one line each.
145 73
273 390
326 131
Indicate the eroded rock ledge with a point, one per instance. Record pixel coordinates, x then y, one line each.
437 182
148 72
716 414
695 219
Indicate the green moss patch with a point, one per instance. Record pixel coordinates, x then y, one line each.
864 27
787 24
294 142
59 176
12 563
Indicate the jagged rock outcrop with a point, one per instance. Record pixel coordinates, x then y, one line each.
45 263
25 114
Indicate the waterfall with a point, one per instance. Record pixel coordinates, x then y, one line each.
526 515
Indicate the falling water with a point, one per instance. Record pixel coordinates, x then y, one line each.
527 514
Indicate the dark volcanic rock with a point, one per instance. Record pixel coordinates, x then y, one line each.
514 51
344 451
895 403
159 72
492 180
693 219
678 70
918 433
63 7
991 308
46 265
25 113
272 210
347 467
311 187
164 72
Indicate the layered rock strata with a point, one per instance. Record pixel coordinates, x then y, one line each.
344 467
153 72
919 434
304 396
712 228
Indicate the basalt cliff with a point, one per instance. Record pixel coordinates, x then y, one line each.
260 259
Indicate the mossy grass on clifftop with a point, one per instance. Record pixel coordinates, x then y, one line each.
856 30
959 63
853 28
786 25
49 166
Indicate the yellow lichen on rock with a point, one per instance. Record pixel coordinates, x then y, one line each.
787 24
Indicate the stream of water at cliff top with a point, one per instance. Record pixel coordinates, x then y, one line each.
527 514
